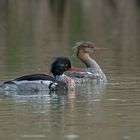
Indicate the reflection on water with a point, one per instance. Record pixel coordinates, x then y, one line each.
52 117
33 32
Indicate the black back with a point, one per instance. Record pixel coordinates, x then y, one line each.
35 77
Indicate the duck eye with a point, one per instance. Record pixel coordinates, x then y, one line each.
66 65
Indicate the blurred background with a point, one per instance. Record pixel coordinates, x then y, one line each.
34 32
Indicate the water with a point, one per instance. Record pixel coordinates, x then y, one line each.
33 33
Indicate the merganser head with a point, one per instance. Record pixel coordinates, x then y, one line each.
60 65
86 47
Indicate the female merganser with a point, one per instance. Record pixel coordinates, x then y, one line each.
92 72
41 82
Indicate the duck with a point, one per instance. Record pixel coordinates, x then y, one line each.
92 71
44 82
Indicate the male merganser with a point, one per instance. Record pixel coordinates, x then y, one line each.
92 72
39 82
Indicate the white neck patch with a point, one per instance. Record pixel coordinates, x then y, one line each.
60 77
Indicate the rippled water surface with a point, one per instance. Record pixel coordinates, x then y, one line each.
33 33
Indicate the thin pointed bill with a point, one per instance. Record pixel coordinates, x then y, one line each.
96 49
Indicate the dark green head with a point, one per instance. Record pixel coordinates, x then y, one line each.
60 65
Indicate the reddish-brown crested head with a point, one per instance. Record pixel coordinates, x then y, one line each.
84 46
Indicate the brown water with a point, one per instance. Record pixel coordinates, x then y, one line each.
33 32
